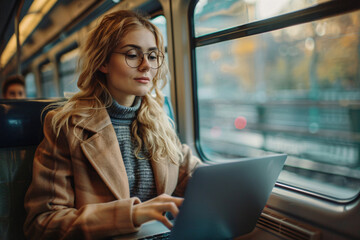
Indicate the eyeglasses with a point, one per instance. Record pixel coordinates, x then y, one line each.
135 57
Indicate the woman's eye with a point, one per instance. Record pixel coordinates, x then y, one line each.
131 55
152 56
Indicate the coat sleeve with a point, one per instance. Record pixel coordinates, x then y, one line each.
50 199
187 167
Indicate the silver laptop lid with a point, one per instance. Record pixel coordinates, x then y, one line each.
225 200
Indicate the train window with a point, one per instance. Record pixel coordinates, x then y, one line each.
30 84
160 22
67 72
47 80
212 16
294 90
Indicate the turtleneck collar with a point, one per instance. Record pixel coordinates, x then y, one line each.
118 112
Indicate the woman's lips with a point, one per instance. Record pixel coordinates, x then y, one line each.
143 80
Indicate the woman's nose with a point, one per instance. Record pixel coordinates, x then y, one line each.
145 65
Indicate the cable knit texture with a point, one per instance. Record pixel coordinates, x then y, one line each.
139 170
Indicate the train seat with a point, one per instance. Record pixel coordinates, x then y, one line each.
20 134
168 108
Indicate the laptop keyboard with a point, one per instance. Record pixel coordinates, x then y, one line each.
165 235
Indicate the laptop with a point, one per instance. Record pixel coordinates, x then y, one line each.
222 200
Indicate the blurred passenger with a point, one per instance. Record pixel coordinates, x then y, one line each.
110 160
14 87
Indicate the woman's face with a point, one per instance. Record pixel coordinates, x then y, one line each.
125 82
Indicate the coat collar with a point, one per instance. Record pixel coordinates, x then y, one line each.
95 123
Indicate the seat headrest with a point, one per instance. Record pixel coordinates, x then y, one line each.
20 121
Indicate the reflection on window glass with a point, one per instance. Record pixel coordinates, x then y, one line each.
213 15
160 22
47 81
30 85
68 74
294 90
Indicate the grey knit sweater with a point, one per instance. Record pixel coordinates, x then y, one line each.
139 171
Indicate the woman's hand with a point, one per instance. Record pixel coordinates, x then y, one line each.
154 209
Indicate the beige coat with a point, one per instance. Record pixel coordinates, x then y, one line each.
80 188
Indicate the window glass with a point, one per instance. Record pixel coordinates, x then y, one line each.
68 74
213 15
160 22
294 90
47 81
30 85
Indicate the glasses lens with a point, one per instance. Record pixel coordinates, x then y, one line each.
133 58
155 59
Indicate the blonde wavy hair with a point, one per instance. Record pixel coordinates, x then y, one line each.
152 128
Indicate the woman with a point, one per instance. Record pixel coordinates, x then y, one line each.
110 159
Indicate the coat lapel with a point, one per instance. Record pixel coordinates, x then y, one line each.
103 152
165 175
160 175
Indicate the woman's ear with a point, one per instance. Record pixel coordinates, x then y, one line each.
104 68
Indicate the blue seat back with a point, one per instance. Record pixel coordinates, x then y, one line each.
168 108
20 134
